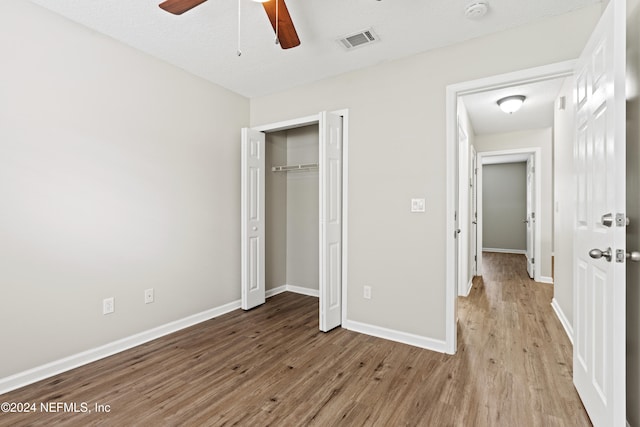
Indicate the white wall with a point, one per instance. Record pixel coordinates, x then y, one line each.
397 152
564 204
541 138
633 211
118 173
504 206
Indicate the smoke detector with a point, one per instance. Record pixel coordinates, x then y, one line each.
476 9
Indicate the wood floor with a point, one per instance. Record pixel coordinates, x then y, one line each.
272 367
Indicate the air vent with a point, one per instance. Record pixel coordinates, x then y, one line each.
358 39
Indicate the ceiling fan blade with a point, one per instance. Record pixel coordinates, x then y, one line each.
178 7
287 34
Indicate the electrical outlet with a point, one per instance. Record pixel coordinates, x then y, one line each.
108 305
367 292
148 296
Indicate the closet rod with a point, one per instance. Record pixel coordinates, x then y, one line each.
289 168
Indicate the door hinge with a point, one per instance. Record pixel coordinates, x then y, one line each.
533 260
475 257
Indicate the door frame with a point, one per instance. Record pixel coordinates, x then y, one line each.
315 119
507 156
473 209
530 75
464 212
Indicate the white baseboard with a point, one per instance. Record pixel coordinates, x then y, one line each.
292 288
275 291
392 335
505 251
563 319
56 367
467 289
546 279
303 291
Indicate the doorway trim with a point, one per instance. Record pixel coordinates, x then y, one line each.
530 75
537 153
313 119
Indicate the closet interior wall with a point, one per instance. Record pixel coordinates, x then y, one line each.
292 210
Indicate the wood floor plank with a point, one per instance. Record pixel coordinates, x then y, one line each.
271 366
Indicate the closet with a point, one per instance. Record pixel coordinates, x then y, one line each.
291 210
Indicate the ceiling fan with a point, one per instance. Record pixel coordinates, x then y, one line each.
276 11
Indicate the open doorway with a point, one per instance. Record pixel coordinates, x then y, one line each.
292 146
519 232
454 93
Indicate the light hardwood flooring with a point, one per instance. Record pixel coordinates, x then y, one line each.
272 367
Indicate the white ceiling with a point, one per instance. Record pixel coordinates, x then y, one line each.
204 40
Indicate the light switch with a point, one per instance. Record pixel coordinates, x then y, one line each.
417 205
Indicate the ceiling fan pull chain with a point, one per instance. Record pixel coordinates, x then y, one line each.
239 20
277 19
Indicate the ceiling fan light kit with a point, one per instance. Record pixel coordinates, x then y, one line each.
511 104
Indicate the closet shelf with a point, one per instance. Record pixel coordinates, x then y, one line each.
295 168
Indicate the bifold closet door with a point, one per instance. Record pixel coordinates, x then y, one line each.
330 195
252 218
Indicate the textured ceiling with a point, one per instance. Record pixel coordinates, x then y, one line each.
204 41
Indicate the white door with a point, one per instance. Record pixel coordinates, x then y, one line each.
530 219
252 218
330 263
463 211
473 238
599 280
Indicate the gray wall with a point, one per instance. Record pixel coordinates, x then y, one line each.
633 212
303 210
543 139
118 172
275 267
504 206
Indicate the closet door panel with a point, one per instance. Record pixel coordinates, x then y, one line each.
330 262
252 218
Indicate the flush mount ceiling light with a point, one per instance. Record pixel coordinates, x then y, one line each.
511 104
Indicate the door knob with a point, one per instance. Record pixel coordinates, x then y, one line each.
633 256
526 221
597 254
255 228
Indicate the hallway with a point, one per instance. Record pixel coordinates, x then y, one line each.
516 349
